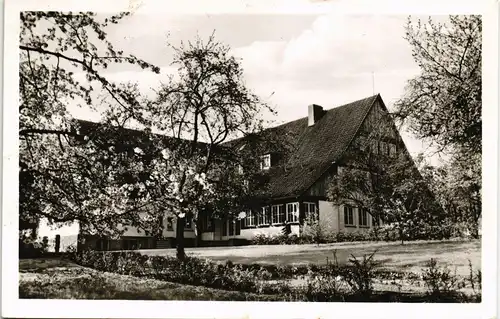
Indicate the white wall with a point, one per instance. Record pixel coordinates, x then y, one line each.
209 236
329 216
250 233
134 232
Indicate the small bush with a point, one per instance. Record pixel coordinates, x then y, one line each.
440 282
193 271
475 282
324 288
361 274
30 248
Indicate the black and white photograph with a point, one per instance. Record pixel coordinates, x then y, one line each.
315 157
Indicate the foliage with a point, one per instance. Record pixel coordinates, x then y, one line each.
475 279
84 283
107 176
328 282
203 107
315 231
457 186
389 188
187 271
324 288
443 104
32 248
439 281
64 175
361 274
380 233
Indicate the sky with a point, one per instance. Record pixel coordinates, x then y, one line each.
290 61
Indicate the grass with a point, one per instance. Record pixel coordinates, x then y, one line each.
56 278
411 256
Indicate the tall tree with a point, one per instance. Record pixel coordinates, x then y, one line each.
388 185
456 187
65 175
443 103
204 106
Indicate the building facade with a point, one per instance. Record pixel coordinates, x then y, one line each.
322 144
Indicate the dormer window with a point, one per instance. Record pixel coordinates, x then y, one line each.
265 161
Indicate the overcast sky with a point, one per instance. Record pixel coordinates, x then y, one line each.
328 60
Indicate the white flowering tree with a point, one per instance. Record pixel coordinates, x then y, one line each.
202 108
106 177
66 175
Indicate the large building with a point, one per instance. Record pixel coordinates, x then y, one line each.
298 181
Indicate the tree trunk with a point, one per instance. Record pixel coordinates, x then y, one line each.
198 229
181 254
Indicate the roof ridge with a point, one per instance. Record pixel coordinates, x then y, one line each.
326 110
375 98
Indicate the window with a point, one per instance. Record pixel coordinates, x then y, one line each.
210 225
383 148
277 214
250 219
392 150
263 218
102 244
170 223
265 161
237 227
362 143
348 216
206 223
310 211
224 227
374 146
234 227
363 217
292 212
240 169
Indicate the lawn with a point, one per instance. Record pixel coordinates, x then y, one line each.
62 279
411 256
55 278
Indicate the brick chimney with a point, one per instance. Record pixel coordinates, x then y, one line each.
315 113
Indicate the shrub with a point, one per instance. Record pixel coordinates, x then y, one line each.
361 274
32 248
440 282
475 282
324 288
315 235
193 271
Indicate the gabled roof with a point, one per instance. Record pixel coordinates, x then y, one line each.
315 148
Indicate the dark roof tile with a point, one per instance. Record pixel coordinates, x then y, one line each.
316 148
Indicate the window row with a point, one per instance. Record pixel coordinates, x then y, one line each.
231 227
349 216
380 147
278 214
170 223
